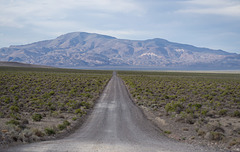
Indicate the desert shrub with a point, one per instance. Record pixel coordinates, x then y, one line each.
189 110
37 117
50 131
79 111
51 93
197 106
66 123
61 126
86 104
12 122
74 118
168 107
5 99
223 112
166 97
190 119
217 136
88 95
1 115
14 108
174 106
52 107
200 132
204 112
236 113
15 116
38 133
55 114
167 132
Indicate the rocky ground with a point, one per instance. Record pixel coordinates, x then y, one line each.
216 132
33 131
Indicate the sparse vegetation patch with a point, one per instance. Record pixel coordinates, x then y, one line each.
43 102
206 102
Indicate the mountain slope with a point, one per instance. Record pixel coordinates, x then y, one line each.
85 49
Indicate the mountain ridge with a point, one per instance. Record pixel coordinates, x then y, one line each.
91 49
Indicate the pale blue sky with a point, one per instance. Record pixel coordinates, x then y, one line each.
205 23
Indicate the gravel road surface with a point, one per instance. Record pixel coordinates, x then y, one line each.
115 125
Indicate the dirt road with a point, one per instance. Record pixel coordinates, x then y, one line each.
115 125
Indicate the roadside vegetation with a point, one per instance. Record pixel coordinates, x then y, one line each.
37 104
193 106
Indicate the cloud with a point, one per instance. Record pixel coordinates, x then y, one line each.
213 7
58 16
19 13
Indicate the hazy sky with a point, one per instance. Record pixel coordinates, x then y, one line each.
205 23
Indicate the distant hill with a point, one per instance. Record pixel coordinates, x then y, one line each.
18 64
82 49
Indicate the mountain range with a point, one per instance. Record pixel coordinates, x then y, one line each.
80 49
